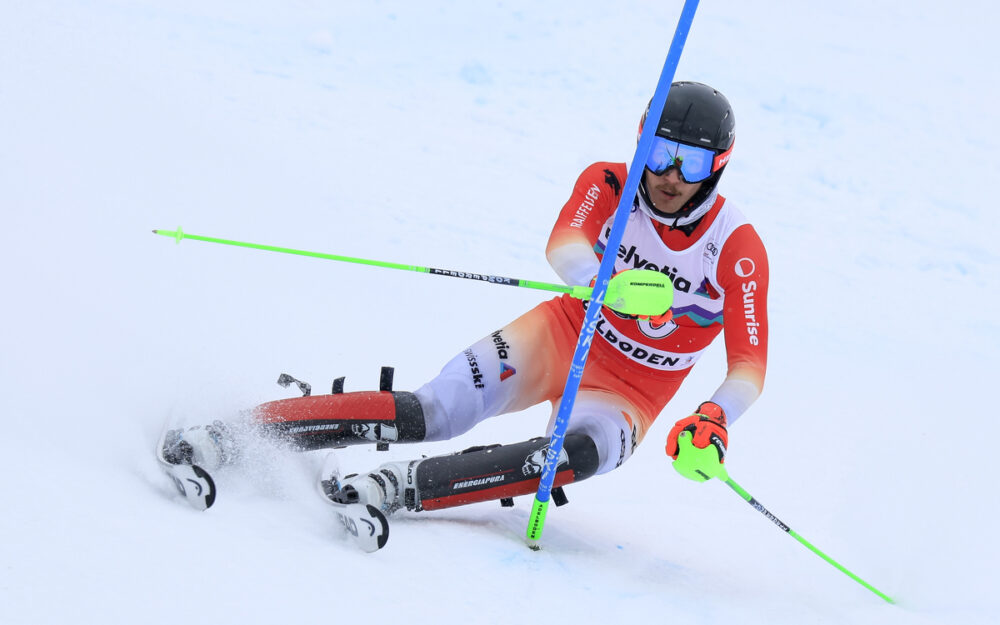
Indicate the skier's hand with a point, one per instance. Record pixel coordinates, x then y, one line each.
707 426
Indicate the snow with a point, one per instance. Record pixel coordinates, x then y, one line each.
448 135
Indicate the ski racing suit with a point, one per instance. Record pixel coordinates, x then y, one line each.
719 270
720 277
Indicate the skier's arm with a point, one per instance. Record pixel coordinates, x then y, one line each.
743 274
570 250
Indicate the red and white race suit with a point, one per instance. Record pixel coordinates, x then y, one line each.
720 277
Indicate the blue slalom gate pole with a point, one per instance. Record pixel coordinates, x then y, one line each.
540 507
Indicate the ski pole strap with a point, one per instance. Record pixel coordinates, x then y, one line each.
760 508
536 522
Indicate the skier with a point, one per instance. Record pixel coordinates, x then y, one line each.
679 225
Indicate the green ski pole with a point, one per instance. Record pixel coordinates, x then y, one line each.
634 292
703 464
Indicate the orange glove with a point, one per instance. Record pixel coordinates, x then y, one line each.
659 319
708 426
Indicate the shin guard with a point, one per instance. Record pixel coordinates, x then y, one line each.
320 421
495 472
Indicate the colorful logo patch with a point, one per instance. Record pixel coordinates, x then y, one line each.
506 371
706 290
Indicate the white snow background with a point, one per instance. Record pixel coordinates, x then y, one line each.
449 134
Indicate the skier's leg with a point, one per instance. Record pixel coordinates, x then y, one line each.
615 425
474 475
603 432
320 421
508 370
513 368
522 364
306 423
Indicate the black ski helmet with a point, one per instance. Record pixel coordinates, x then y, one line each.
698 115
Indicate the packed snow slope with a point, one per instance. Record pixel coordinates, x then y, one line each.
449 134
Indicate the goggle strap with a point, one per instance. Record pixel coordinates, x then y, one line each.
720 160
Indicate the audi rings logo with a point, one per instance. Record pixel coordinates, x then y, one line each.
745 267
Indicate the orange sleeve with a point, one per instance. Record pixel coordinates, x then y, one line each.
743 273
595 197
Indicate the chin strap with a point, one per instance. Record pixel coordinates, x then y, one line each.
685 223
686 228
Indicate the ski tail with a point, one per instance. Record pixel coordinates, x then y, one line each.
365 524
194 483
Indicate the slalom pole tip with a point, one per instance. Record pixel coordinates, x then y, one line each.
534 544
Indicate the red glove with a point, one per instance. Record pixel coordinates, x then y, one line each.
708 426
659 319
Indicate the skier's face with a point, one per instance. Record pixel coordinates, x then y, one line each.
669 192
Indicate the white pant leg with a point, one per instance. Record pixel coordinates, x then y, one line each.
517 367
599 415
498 374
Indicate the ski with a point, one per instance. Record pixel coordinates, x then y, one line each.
365 524
193 482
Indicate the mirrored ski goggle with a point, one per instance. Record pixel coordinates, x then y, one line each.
695 164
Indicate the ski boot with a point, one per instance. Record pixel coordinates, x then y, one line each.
385 488
208 446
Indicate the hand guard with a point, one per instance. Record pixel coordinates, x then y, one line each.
707 426
640 293
703 439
